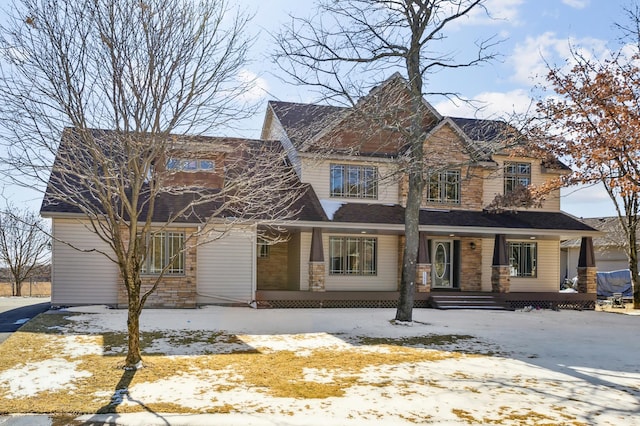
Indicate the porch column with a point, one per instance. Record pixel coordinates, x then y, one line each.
500 268
587 281
316 262
423 268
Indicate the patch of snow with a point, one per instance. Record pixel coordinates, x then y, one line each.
294 343
317 375
330 207
78 346
21 321
28 380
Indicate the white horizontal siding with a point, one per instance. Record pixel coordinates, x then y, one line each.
78 277
386 278
317 173
487 258
226 268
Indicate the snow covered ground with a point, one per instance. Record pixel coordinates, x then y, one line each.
537 367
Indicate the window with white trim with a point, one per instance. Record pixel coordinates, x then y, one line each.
444 187
353 181
164 248
515 175
190 165
353 255
523 258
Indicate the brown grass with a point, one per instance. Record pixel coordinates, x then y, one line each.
36 289
278 373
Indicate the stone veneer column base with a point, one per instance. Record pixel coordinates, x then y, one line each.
423 270
587 281
500 278
316 276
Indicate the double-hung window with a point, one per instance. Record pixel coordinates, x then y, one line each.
444 187
353 181
263 248
164 249
353 255
523 258
515 175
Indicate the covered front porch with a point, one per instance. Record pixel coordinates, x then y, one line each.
307 269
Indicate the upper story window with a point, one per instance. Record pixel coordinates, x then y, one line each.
190 165
444 187
165 249
516 174
353 181
523 258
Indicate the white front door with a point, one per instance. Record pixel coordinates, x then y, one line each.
442 262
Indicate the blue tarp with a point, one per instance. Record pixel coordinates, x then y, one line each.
614 282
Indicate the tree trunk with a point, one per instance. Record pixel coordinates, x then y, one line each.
633 265
18 288
134 356
415 185
410 255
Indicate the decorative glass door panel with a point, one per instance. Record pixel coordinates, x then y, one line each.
442 261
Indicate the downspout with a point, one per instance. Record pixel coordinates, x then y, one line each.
254 268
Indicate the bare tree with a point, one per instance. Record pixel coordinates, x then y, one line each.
351 46
23 244
144 70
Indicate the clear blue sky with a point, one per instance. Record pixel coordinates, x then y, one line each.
534 31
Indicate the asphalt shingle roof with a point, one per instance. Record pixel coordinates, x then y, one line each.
525 220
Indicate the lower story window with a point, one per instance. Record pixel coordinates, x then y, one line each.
523 258
165 249
263 248
353 255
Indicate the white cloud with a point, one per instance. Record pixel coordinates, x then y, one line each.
499 11
490 105
531 59
257 86
495 12
576 4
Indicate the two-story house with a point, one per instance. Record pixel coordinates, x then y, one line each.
344 245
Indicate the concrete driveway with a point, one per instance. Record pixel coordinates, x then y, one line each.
15 311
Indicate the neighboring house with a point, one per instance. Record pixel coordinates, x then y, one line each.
609 248
344 247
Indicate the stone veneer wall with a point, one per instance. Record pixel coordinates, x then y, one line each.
174 291
587 281
500 278
272 271
316 276
470 264
423 286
